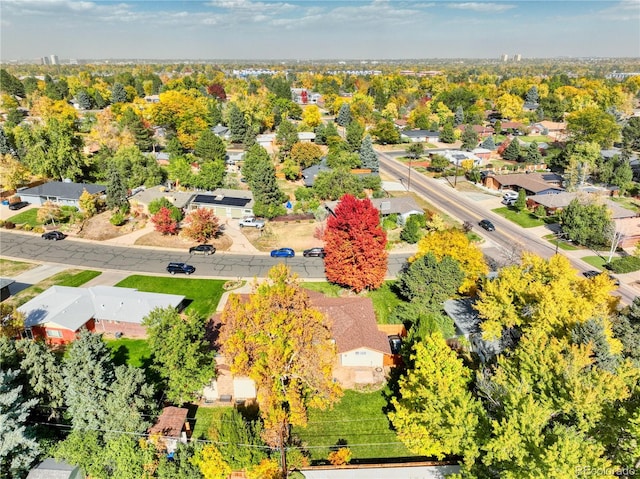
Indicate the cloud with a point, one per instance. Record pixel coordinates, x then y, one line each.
481 7
623 11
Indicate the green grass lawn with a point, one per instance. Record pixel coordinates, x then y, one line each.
26 217
523 219
204 294
357 419
328 289
70 277
205 417
9 268
134 352
595 261
562 244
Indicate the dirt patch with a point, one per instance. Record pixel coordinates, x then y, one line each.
298 236
98 227
222 243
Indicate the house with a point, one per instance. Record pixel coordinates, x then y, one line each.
511 126
52 469
58 314
266 141
372 471
532 183
309 174
555 129
179 199
221 131
483 153
416 136
458 156
152 98
303 96
62 192
4 288
626 220
170 428
225 203
481 130
403 206
467 323
306 137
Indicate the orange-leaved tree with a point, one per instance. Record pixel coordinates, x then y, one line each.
454 243
164 223
201 225
277 339
355 245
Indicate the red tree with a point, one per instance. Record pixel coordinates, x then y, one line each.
164 223
216 90
355 245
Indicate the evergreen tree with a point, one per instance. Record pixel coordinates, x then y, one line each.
210 147
5 145
521 202
368 157
234 434
344 115
141 134
237 124
116 190
10 84
268 195
469 138
174 147
18 448
411 232
458 118
447 134
488 143
533 155
84 100
286 136
249 138
321 134
331 132
88 373
118 93
210 176
532 95
354 134
512 152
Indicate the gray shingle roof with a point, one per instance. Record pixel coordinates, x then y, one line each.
52 469
63 190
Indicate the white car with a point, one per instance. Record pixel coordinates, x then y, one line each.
510 195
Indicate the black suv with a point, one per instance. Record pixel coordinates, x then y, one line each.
53 235
185 268
19 205
487 225
319 252
395 343
205 249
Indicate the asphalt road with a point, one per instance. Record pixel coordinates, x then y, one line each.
506 239
147 260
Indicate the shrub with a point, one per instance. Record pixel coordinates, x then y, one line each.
9 225
340 457
118 218
26 227
38 229
628 264
19 226
1 223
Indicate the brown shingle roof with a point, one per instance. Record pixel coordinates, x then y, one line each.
534 182
171 422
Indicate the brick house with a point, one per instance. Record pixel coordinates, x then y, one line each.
58 314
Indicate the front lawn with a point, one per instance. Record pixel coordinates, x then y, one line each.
595 261
9 268
69 277
205 417
328 289
358 421
29 217
525 219
134 352
204 294
562 244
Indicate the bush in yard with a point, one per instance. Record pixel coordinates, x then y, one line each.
340 457
628 264
163 202
540 211
411 232
9 225
118 218
164 223
26 227
201 225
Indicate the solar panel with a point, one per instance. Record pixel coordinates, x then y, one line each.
224 201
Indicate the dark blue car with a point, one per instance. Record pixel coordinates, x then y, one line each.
283 253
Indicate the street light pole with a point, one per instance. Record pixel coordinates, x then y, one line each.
409 180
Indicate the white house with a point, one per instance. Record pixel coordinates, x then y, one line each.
458 156
416 136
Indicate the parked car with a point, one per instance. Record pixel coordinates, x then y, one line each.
53 235
509 201
319 252
283 253
593 273
395 343
19 205
487 225
251 222
205 249
184 268
510 195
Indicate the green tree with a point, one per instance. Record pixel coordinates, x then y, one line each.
533 155
182 356
142 135
411 233
447 134
415 150
630 133
385 132
430 281
10 85
368 156
592 124
332 185
587 223
88 372
84 100
458 118
235 436
512 152
266 192
532 95
439 162
237 124
488 143
210 147
123 457
344 115
116 191
285 346
118 93
354 135
210 176
521 202
84 449
18 447
436 414
469 138
255 156
286 136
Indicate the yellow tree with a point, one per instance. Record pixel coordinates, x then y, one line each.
311 116
510 106
547 295
12 173
11 321
183 110
211 463
454 243
276 338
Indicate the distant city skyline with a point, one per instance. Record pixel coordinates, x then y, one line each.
314 30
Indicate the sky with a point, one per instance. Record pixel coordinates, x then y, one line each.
315 30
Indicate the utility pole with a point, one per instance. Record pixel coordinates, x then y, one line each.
409 180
